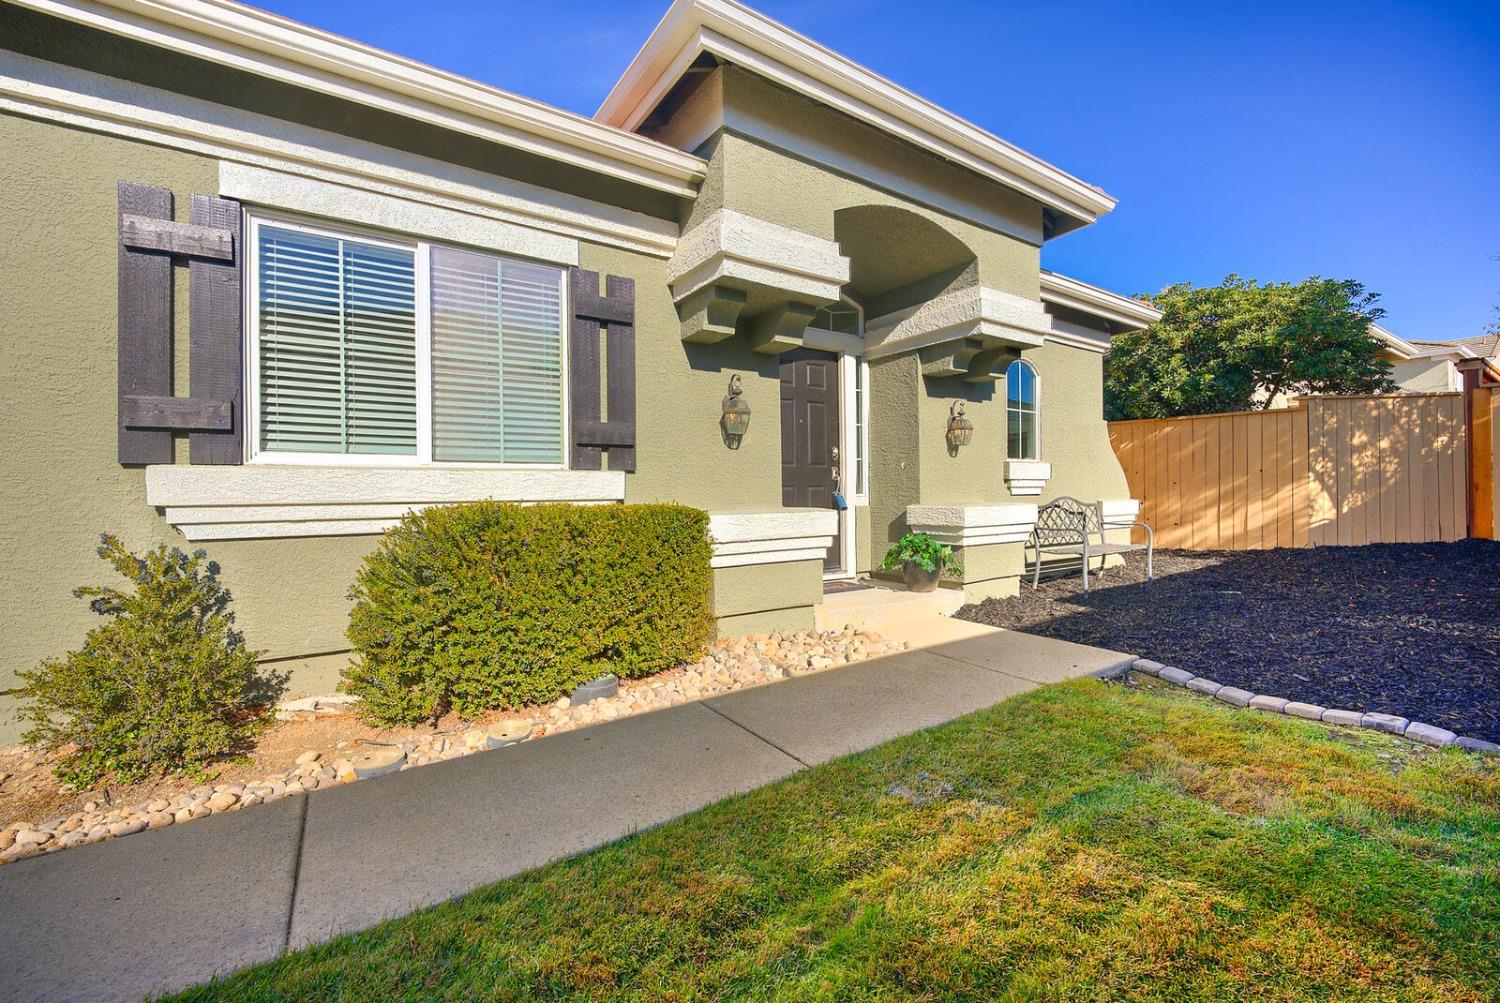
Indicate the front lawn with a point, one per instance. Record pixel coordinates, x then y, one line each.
1083 841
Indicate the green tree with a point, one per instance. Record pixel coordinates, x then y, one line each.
1235 346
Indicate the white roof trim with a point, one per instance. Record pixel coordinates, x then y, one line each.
747 38
1438 350
267 45
1124 310
1404 349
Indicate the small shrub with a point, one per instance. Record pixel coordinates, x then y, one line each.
165 685
484 605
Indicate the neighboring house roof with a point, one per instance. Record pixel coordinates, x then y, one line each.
282 49
1121 312
1484 349
736 34
1485 346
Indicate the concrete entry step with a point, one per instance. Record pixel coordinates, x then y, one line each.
878 608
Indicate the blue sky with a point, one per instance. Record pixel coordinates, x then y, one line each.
1351 140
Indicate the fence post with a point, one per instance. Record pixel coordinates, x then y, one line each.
1484 459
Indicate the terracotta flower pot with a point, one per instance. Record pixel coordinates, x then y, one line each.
917 578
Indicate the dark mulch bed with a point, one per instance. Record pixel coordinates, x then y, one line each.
1409 629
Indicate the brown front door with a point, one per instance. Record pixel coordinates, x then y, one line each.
810 436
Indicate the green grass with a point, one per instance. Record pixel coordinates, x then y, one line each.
1080 842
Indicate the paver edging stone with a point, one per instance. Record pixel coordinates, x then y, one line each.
1416 731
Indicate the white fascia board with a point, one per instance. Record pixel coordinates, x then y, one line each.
748 38
1075 295
263 501
80 99
746 538
973 525
1077 336
1400 348
254 41
1441 351
733 245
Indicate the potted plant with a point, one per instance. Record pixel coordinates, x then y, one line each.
922 559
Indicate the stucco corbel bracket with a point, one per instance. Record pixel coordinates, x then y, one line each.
709 314
780 328
950 358
989 364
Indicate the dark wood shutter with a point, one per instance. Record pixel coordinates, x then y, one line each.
216 362
149 241
145 327
611 426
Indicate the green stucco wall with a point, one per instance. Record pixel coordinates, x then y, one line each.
63 487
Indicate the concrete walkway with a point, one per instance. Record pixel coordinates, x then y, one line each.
164 909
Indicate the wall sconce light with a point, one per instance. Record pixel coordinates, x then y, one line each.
736 419
960 428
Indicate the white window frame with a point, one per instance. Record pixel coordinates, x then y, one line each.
849 365
421 249
1036 383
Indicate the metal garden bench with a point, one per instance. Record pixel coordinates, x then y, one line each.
1070 526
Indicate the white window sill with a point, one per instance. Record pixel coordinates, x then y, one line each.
265 501
1026 478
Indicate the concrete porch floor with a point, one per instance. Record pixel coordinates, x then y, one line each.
164 909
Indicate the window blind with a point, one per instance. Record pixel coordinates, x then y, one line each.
496 359
337 333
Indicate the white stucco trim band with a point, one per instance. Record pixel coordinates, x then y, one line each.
277 190
744 538
750 251
1027 477
281 49
991 316
973 525
51 92
262 501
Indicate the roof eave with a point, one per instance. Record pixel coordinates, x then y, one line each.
1130 314
268 45
735 33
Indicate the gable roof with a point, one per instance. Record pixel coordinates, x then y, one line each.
268 45
736 34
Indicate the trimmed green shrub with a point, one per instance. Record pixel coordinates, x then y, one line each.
165 685
485 605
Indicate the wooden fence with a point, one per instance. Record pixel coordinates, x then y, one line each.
1331 471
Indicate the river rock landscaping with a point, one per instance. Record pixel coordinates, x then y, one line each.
1408 630
319 743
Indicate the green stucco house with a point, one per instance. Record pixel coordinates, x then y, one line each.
265 289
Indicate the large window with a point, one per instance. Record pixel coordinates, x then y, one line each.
1020 411
402 352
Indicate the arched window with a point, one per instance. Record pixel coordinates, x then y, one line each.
1020 411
